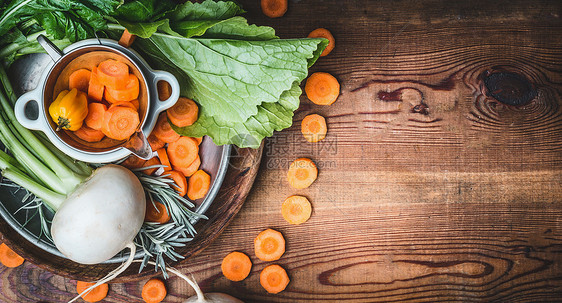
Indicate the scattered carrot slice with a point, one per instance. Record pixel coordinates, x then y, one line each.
191 169
164 131
198 185
89 134
199 140
269 245
95 88
120 122
154 291
274 279
296 209
128 93
156 212
181 182
127 39
113 74
133 162
96 112
302 173
313 128
236 266
274 8
154 142
8 257
151 162
95 295
322 88
324 33
183 113
183 151
124 104
164 90
163 156
79 79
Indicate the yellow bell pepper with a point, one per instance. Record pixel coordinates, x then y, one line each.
69 109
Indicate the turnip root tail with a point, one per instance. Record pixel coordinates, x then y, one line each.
113 274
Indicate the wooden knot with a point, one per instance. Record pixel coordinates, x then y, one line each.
510 88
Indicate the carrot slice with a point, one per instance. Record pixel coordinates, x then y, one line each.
113 74
274 279
156 212
191 169
89 134
120 122
127 39
107 97
322 88
199 140
164 90
198 185
163 156
95 88
136 104
181 182
164 131
183 113
236 266
128 93
296 210
154 142
154 291
95 295
274 8
151 162
123 104
313 128
96 112
79 79
8 257
324 33
133 162
269 245
302 173
183 151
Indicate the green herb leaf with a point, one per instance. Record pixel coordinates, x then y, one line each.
143 11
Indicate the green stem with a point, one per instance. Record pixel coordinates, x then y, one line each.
78 167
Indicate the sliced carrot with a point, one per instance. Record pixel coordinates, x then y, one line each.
8 257
324 33
296 209
313 128
164 131
181 182
154 291
136 104
95 295
123 104
133 162
89 134
95 88
151 162
113 74
156 212
274 8
107 97
302 173
198 185
164 90
120 122
191 169
96 112
127 39
183 113
322 88
79 79
163 156
154 142
274 279
199 140
269 245
236 266
129 93
183 151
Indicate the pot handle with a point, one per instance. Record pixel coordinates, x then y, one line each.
160 75
19 110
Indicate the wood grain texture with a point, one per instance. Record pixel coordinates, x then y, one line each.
460 201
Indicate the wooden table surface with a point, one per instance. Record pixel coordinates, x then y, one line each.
428 189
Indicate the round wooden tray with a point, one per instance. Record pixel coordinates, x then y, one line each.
240 176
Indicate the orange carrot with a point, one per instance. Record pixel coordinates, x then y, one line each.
322 88
269 245
127 39
89 134
128 93
164 131
154 142
302 173
79 79
8 257
95 295
183 113
198 185
95 88
164 90
123 104
296 209
183 151
120 122
156 212
313 128
181 182
154 291
274 8
113 74
236 266
191 169
133 162
324 33
107 97
151 162
274 279
136 104
199 140
163 156
96 112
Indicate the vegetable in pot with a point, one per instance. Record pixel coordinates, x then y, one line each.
69 109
